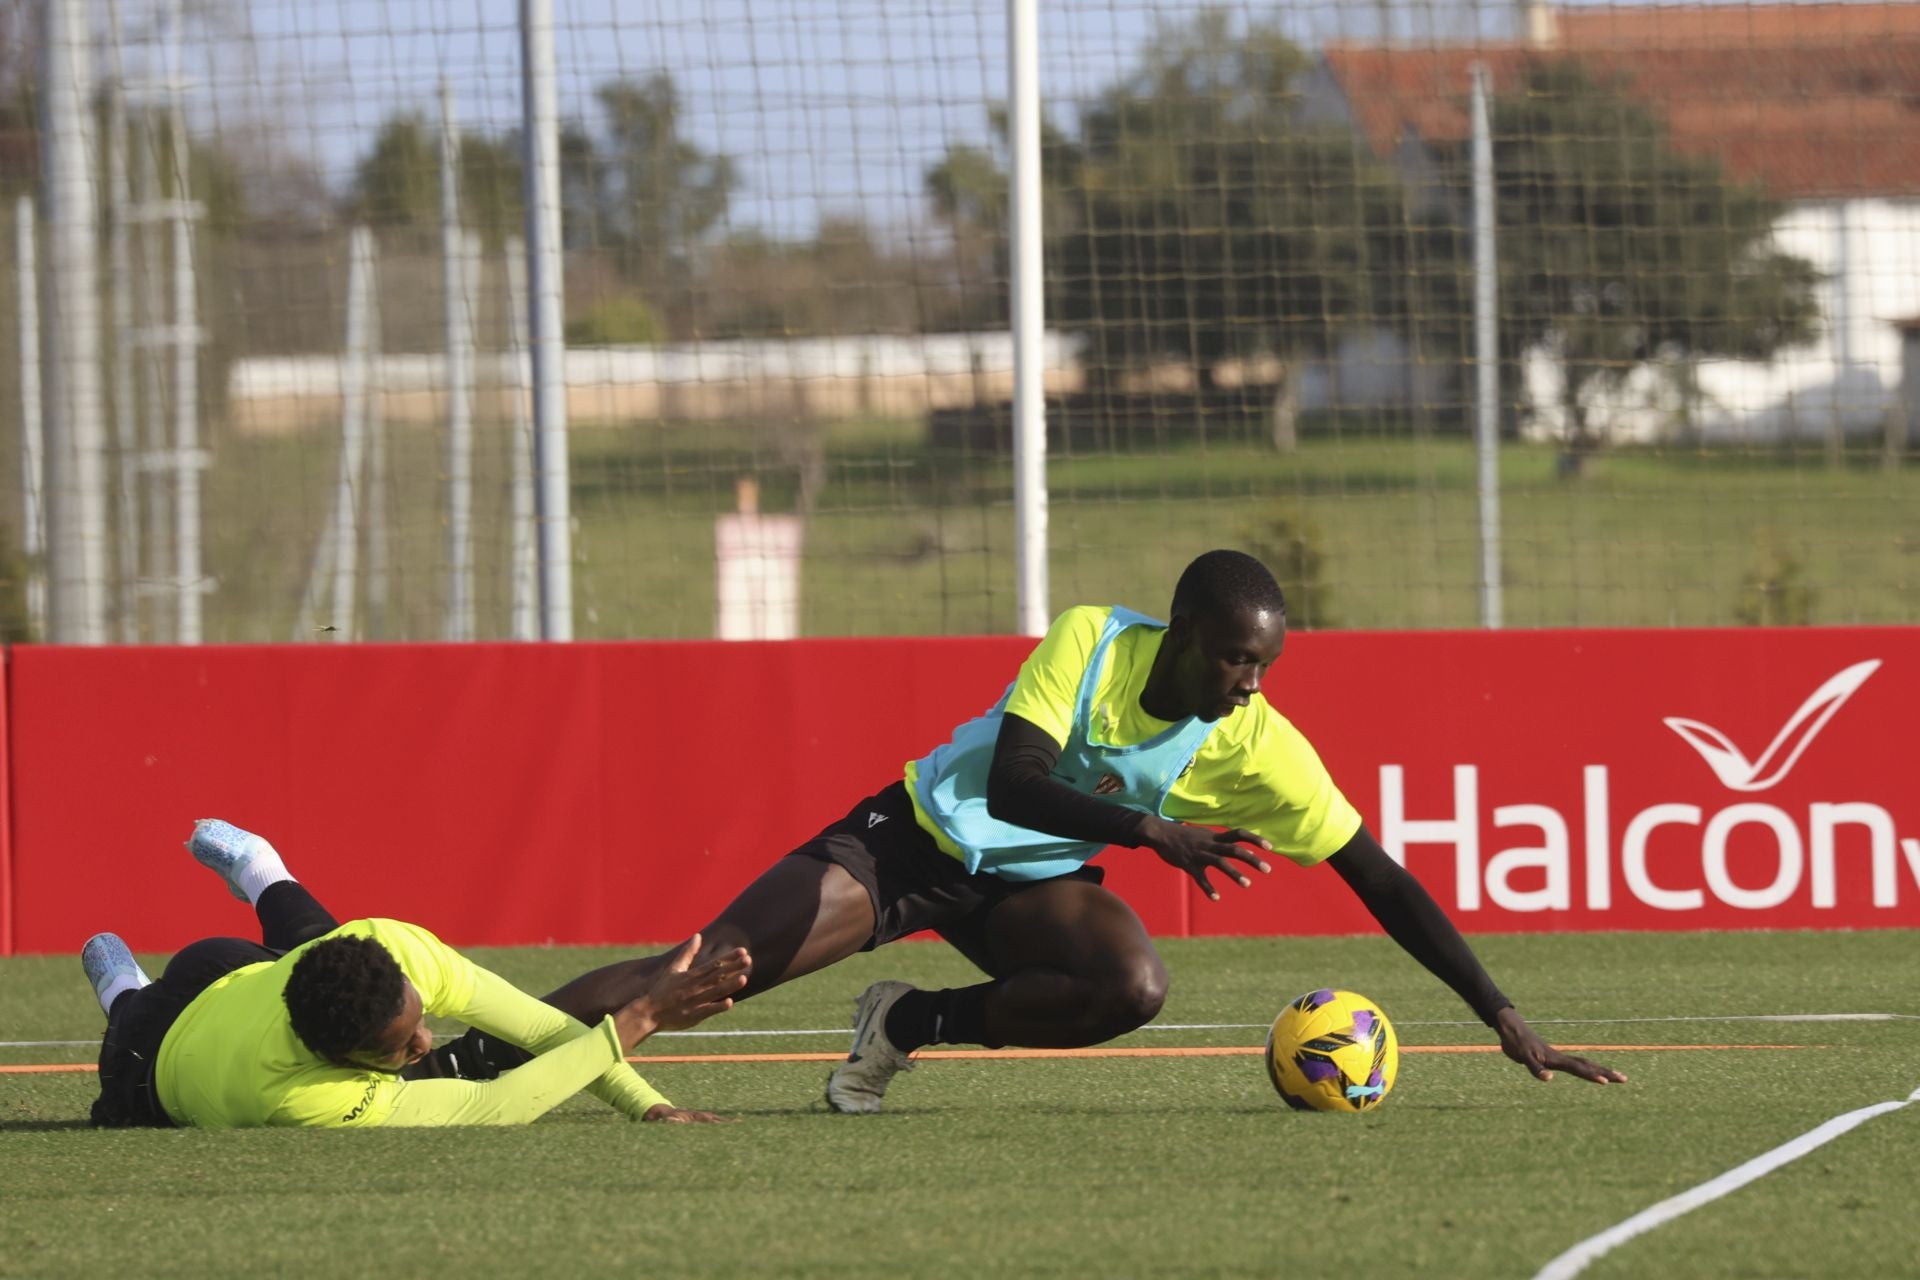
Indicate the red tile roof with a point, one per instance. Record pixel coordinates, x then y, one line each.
1810 101
1639 26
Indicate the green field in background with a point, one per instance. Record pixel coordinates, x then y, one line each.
1135 1167
907 540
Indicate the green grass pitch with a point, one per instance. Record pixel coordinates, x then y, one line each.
1124 1166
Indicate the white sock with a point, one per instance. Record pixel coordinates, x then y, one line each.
121 983
262 871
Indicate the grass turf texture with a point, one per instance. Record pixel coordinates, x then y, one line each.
909 540
1124 1166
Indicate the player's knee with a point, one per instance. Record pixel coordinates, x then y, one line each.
1136 996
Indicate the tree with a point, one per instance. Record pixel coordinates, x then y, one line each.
1195 217
968 188
580 184
655 196
1213 223
1616 250
969 191
397 182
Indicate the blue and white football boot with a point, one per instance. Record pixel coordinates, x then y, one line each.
225 849
111 968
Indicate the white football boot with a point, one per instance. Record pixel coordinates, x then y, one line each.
858 1084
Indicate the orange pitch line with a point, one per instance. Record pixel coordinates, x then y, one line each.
990 1055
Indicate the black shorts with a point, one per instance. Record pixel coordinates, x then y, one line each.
140 1020
913 883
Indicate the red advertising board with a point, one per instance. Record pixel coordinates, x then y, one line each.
496 793
623 792
1624 779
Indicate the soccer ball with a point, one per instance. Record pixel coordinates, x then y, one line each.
1332 1051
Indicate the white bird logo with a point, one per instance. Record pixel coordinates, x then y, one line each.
1731 765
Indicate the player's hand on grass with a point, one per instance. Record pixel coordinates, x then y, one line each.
667 1113
1521 1043
1198 850
683 993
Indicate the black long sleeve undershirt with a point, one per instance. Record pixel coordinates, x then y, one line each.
1413 919
1021 789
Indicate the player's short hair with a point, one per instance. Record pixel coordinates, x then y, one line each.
342 992
1220 583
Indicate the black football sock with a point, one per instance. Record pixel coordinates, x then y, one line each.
957 1015
289 916
473 1056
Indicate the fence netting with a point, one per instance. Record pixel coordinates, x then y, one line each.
789 365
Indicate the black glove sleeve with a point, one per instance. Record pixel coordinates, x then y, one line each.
1413 919
1021 789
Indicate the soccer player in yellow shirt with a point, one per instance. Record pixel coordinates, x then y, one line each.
1119 730
324 1024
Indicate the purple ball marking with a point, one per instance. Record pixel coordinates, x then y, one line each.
1323 996
1362 1024
1317 1070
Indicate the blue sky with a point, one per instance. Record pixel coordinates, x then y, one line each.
826 105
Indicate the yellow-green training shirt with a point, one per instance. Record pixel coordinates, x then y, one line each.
232 1059
1255 769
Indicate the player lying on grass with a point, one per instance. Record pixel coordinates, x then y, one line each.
1119 730
324 1024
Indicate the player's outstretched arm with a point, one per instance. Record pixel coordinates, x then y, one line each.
1521 1043
1413 919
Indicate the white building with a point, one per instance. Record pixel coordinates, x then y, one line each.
1819 104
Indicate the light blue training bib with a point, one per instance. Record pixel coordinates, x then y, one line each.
952 780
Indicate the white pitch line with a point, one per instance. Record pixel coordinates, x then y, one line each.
1465 1022
1717 1017
1575 1260
1547 1022
1224 1026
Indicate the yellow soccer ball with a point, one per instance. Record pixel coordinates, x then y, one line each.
1332 1051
